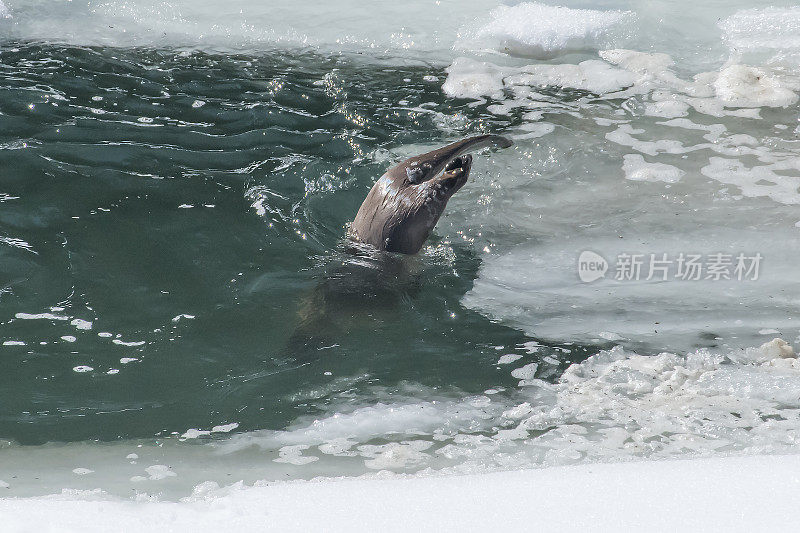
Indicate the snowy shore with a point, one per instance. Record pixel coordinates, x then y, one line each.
719 494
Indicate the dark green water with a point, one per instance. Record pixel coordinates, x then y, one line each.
138 186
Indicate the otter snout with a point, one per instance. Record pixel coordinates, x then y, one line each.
456 173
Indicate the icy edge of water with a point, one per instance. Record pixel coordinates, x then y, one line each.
743 493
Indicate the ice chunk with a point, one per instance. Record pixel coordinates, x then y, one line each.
540 31
468 78
592 75
508 358
774 31
745 86
525 372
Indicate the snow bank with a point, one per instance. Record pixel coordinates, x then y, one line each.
723 494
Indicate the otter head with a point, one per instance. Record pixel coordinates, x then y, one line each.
404 205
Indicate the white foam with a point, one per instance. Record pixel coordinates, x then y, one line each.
771 180
12 241
396 455
469 78
225 428
366 423
591 75
540 31
624 135
194 433
128 343
159 472
294 455
81 324
4 11
40 316
735 85
637 169
533 131
339 447
667 108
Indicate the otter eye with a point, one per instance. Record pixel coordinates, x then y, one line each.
415 175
